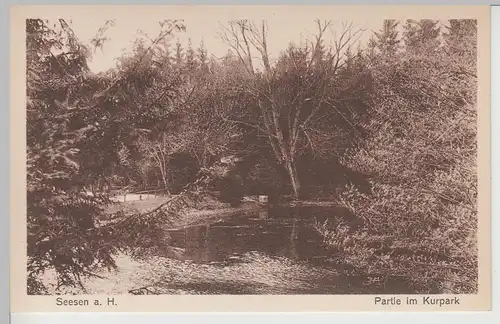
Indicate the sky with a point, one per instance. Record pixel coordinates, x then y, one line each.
285 23
125 31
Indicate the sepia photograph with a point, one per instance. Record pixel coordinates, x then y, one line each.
197 155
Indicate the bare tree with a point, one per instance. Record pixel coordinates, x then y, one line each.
290 112
160 150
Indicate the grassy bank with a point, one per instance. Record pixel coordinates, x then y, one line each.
209 211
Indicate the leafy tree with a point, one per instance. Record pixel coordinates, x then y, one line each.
191 63
421 160
387 39
76 129
179 53
60 120
458 33
202 56
421 36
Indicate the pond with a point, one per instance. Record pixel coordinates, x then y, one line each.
287 232
272 251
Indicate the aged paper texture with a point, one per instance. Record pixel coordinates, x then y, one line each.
250 158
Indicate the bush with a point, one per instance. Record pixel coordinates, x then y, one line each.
421 213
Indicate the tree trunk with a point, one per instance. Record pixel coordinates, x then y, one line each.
294 178
165 182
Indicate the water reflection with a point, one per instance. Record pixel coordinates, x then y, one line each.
281 232
273 251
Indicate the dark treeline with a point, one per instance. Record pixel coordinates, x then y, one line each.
387 130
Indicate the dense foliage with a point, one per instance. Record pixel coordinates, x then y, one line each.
421 213
389 131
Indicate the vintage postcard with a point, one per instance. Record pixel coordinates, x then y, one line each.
250 158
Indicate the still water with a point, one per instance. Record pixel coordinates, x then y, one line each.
276 232
273 251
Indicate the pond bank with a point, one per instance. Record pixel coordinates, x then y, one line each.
208 212
194 217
